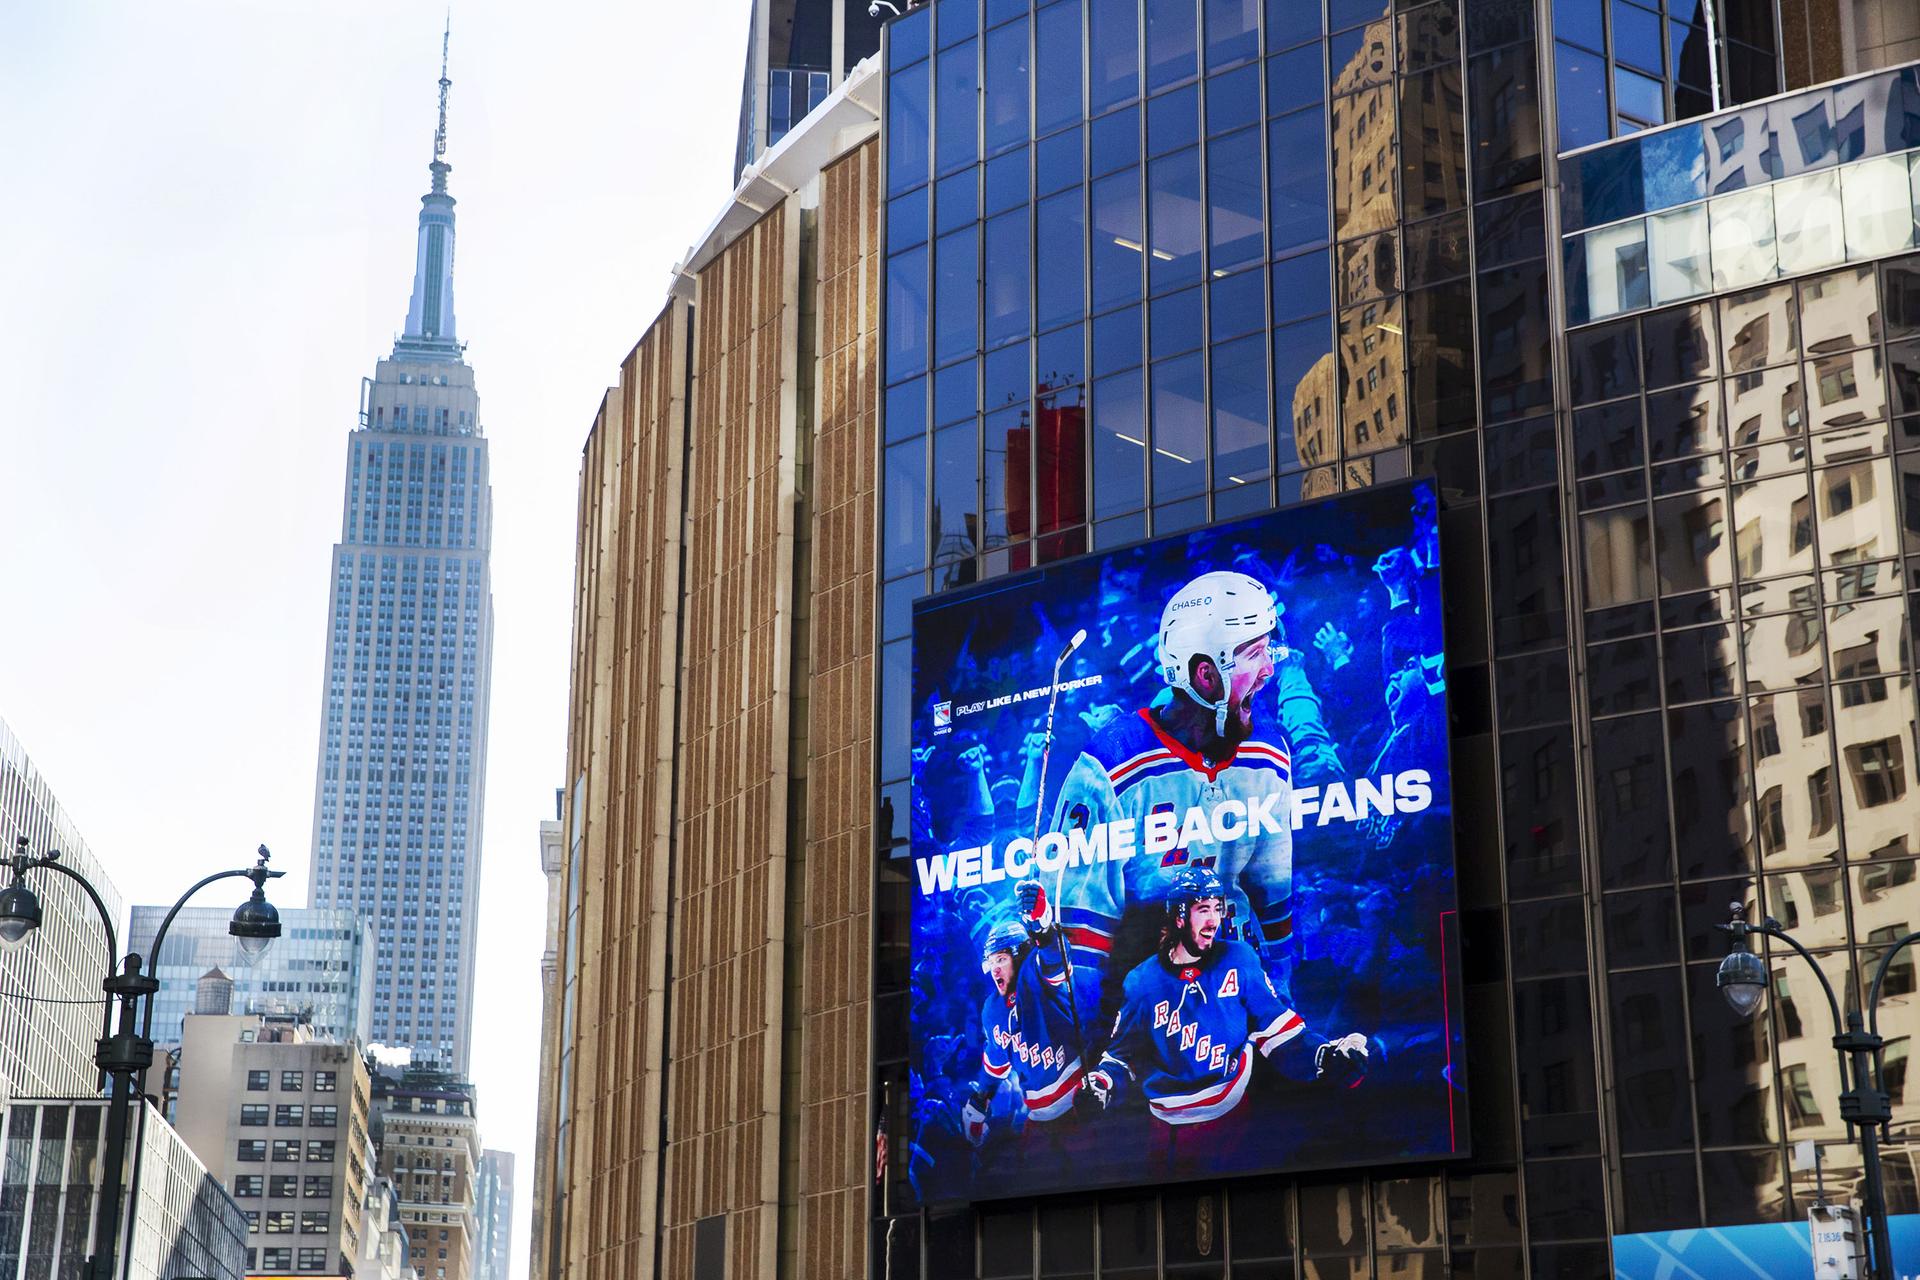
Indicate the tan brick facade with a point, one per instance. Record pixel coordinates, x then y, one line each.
715 927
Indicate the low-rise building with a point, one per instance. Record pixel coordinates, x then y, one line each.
282 1120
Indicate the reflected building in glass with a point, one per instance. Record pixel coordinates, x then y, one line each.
1636 285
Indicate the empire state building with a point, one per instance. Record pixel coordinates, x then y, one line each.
403 740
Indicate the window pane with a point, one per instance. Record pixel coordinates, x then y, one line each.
1179 429
1581 79
1116 141
1113 67
1296 173
956 108
907 158
907 314
1060 259
1636 37
1879 201
1811 229
1116 341
1638 98
1233 100
1506 120
1056 85
1742 237
1616 270
956 467
1007 278
1119 445
1173 120
956 297
1118 243
1760 328
1233 31
1236 305
1006 87
1304 392
1172 42
1174 221
1233 193
1240 431
1365 162
1677 250
956 201
907 219
1295 79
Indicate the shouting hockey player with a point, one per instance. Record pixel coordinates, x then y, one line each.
1196 747
1194 1014
1029 1033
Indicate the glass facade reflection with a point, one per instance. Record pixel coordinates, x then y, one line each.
1157 263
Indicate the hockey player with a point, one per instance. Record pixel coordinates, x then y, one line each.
1029 1034
1195 1013
1195 746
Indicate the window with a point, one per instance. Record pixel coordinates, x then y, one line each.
276 1259
257 1080
293 1081
313 1259
283 1186
287 1116
279 1222
315 1221
253 1114
325 1117
323 1081
286 1150
320 1151
246 1185
319 1186
253 1219
252 1149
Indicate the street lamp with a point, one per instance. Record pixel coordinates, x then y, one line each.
1743 980
125 1054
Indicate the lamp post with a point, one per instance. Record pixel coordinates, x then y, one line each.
1743 980
124 1053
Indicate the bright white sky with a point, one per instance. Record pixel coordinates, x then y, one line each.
207 219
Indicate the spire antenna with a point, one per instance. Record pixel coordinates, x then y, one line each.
440 132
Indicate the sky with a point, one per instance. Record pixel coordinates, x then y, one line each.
208 212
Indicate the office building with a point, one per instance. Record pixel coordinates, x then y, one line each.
429 1145
493 1217
281 1120
403 742
181 1222
1632 289
46 1049
321 968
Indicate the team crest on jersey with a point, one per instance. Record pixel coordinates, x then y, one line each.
1230 985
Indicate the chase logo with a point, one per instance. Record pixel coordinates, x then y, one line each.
942 715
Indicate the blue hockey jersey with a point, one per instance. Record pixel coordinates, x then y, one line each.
1188 1033
1029 1038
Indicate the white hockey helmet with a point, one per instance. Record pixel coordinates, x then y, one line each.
1210 617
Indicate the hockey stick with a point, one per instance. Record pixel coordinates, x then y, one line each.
1059 879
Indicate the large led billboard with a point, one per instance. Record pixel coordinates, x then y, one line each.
1183 881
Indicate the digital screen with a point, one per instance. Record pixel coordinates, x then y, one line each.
1182 860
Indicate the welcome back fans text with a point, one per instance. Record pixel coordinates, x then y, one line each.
1162 833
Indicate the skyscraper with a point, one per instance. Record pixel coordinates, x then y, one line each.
398 787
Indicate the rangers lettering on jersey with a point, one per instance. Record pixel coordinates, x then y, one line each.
1029 1038
1188 1033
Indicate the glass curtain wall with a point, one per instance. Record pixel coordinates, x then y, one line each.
1154 263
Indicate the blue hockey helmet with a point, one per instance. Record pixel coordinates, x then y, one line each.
1191 886
1009 936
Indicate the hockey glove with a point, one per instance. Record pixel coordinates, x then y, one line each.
973 1118
1341 1063
1035 912
1108 1088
